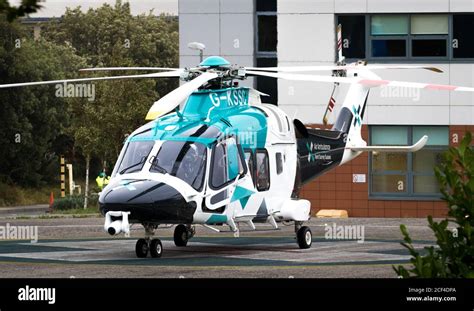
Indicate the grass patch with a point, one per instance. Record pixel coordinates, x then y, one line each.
12 195
15 195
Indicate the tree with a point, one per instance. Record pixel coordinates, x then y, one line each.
454 255
26 7
44 123
111 36
32 118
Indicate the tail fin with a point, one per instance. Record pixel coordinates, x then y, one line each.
349 120
321 150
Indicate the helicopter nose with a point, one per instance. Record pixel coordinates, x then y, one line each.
147 201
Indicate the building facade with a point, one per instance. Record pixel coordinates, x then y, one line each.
302 32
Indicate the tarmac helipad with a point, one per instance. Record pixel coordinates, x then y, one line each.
78 247
208 251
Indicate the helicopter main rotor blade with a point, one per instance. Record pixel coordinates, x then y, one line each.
175 97
363 81
128 68
169 74
334 67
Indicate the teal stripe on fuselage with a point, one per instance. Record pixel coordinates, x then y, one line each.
233 116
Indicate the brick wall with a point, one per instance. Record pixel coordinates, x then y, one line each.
335 190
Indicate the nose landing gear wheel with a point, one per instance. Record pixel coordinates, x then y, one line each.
180 235
304 237
156 248
141 248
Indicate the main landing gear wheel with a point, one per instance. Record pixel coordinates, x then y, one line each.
141 248
156 248
181 236
304 237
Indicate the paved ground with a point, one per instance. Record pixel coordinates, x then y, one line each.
28 210
77 247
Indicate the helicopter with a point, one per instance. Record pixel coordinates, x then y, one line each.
225 158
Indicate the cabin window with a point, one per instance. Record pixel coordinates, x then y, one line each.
227 164
249 160
279 162
263 170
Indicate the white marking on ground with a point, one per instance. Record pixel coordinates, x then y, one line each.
118 250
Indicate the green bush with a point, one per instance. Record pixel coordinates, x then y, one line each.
72 202
454 255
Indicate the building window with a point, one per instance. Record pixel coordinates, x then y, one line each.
389 170
266 26
389 48
407 36
267 33
266 41
265 84
429 48
429 24
266 5
383 25
429 35
463 45
425 35
263 170
353 35
423 161
406 175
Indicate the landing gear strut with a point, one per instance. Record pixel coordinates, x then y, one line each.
182 234
154 246
304 236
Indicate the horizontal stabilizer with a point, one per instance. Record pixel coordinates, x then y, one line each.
417 146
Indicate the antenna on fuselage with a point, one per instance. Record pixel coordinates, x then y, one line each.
198 46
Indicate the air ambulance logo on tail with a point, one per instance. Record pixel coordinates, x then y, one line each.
357 118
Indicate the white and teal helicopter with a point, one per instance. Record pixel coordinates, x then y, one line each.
226 158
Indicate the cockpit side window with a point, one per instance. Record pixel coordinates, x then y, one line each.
219 167
183 159
227 163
